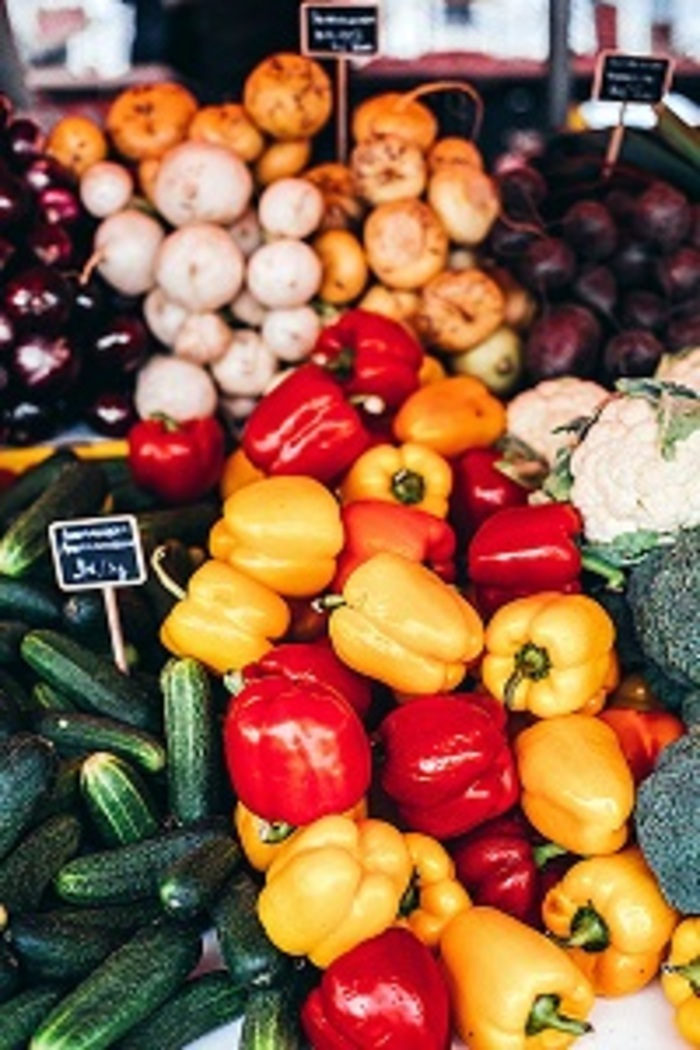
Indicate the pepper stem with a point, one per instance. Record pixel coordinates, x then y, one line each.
543 852
410 898
408 486
341 366
166 581
327 602
274 831
531 661
545 1014
589 930
690 970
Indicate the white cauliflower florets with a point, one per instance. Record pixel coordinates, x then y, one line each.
534 415
621 480
682 367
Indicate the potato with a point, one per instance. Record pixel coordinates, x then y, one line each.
459 309
282 160
345 269
392 113
289 96
405 243
388 169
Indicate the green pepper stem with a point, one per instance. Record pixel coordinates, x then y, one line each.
408 486
543 852
690 970
545 1014
163 579
274 831
589 930
531 661
615 577
410 897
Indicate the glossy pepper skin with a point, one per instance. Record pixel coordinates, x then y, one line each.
680 978
284 531
434 894
411 475
550 653
520 550
225 618
334 884
178 461
451 415
305 425
511 987
370 355
577 788
397 621
446 762
372 525
295 751
643 735
479 489
611 917
386 992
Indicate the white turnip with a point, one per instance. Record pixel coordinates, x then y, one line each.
105 188
126 245
200 266
247 366
202 182
163 317
202 338
291 334
291 207
176 388
283 273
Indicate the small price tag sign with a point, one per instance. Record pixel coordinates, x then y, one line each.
331 30
99 553
631 78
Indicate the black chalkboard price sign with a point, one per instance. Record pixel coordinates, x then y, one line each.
631 78
97 552
339 30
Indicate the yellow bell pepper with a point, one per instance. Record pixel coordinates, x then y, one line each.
398 622
410 474
284 531
680 978
611 917
225 618
512 988
333 884
550 653
576 786
451 415
435 895
261 840
238 471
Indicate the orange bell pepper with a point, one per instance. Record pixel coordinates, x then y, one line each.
238 471
451 415
412 475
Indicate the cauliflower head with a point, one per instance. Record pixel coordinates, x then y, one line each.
681 367
536 415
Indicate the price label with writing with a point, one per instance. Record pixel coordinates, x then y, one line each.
97 552
337 30
631 78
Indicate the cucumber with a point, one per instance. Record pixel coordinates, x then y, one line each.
13 686
124 918
28 764
10 977
271 1021
21 1015
204 1002
127 873
91 680
47 698
27 872
190 524
118 801
191 739
11 634
34 601
250 956
31 483
64 794
77 732
129 984
79 489
12 714
51 947
191 884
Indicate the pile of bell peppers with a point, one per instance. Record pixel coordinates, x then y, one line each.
434 772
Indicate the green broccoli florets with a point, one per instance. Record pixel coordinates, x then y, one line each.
667 822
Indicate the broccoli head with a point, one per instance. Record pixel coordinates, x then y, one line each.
667 822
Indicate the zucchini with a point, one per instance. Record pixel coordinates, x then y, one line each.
34 601
117 799
250 956
191 739
77 490
21 1015
129 984
191 884
28 764
205 1002
31 482
51 947
91 680
271 1021
27 872
127 873
77 732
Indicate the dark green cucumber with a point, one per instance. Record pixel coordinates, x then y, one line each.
52 947
47 698
78 490
127 873
190 524
34 601
11 634
28 764
250 956
27 872
191 884
117 799
77 732
10 976
23 1013
204 1003
12 712
126 987
30 484
191 738
271 1021
12 684
124 918
64 794
91 680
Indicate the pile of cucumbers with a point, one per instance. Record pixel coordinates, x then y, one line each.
119 865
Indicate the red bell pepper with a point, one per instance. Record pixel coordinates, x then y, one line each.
372 526
479 489
642 735
178 461
370 355
506 864
305 425
522 550
386 992
313 663
446 762
295 750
